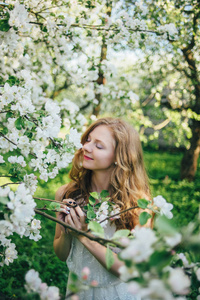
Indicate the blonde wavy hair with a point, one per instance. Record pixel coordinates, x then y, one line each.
129 181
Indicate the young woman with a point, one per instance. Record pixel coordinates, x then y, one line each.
111 159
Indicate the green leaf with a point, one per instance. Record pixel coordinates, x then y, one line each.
9 115
143 203
19 123
109 258
91 214
97 205
160 259
104 193
95 195
4 130
14 179
4 200
4 26
92 200
96 228
121 233
53 206
73 288
73 276
143 218
12 80
29 124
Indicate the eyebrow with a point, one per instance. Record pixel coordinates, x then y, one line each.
97 140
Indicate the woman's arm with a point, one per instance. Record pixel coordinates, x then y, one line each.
62 239
62 243
99 252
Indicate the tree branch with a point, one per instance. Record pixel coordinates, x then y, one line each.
100 27
10 183
44 199
100 240
162 124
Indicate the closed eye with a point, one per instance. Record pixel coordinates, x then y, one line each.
99 146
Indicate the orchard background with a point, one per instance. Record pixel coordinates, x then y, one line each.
66 63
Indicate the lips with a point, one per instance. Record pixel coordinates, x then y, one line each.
87 157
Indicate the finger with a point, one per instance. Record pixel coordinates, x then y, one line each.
65 209
70 202
75 218
80 213
69 221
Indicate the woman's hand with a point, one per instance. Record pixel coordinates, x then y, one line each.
64 211
76 219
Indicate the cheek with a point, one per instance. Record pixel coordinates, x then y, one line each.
108 158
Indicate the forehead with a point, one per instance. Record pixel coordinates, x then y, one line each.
103 133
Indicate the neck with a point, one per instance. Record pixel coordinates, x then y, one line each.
100 181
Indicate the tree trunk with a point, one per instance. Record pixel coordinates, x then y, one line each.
190 158
101 79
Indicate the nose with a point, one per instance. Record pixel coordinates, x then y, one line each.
87 147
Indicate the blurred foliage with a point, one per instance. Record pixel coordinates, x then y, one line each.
163 171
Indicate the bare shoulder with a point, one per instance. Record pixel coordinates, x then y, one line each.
61 192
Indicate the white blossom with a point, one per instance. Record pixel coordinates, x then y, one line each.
173 240
164 207
1 159
156 290
140 248
178 281
74 137
127 273
10 254
33 281
17 159
34 284
198 274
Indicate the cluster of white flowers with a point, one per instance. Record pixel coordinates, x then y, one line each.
19 18
35 285
17 159
169 28
138 251
141 247
104 211
9 254
19 218
30 181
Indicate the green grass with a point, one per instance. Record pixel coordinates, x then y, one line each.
163 170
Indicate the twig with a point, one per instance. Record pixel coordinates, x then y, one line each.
162 124
10 183
14 143
119 213
44 199
69 295
8 139
60 202
7 176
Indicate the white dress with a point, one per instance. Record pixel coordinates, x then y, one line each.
109 286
